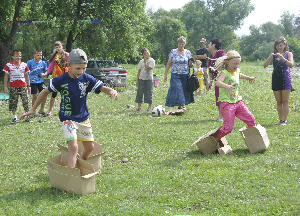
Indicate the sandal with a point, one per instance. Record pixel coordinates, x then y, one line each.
138 110
278 123
43 114
49 113
283 123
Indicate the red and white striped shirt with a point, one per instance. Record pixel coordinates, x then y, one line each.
17 74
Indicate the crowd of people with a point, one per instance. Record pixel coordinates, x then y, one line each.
70 79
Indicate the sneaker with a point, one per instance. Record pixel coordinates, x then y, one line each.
28 120
14 121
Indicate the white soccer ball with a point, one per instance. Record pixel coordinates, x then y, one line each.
157 111
162 108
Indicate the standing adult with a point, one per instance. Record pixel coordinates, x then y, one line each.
214 47
180 61
202 54
281 77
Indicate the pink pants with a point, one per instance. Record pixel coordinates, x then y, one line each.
229 112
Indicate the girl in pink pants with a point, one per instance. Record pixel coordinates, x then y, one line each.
231 104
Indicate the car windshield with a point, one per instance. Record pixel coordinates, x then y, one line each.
106 64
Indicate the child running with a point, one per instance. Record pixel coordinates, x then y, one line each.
18 85
231 104
199 73
58 67
74 116
37 69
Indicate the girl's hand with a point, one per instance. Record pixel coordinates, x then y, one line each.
252 79
30 112
230 88
5 90
137 83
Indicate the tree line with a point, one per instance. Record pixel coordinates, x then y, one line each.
126 27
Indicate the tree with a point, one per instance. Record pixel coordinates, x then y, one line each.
9 10
214 18
287 23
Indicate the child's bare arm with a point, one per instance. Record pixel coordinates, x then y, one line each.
220 83
5 82
251 79
38 101
27 80
113 94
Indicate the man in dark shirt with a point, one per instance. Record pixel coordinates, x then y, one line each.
202 55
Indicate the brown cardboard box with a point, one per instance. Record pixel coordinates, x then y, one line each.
94 159
207 143
256 138
79 180
224 150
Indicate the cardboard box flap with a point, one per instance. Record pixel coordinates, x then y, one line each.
59 166
212 132
85 168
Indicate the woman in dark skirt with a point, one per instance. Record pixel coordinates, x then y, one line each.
281 78
179 60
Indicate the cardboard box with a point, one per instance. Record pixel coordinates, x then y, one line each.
94 159
79 180
224 150
207 143
256 138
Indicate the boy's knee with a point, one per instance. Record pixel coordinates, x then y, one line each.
89 146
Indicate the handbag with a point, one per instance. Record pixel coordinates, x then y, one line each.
192 81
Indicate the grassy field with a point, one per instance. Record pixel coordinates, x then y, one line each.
164 176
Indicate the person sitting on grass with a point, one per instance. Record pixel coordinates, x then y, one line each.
37 69
74 116
18 85
145 80
231 104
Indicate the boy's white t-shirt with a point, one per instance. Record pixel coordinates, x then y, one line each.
146 75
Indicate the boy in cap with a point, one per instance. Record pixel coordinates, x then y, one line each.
202 54
74 87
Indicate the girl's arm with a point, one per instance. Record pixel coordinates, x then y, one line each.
5 82
220 83
251 79
290 61
269 59
169 63
201 71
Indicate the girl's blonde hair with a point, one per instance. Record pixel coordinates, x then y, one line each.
63 54
221 63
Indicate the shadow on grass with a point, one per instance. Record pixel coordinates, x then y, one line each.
35 196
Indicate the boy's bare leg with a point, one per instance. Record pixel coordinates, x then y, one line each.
42 109
149 106
52 100
72 153
88 148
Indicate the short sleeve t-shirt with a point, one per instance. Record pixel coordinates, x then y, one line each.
231 78
74 94
146 75
203 52
36 69
17 74
180 62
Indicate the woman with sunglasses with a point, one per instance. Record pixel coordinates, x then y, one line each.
281 78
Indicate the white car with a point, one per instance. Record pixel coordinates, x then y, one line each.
108 72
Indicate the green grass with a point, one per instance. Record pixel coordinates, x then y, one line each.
164 176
